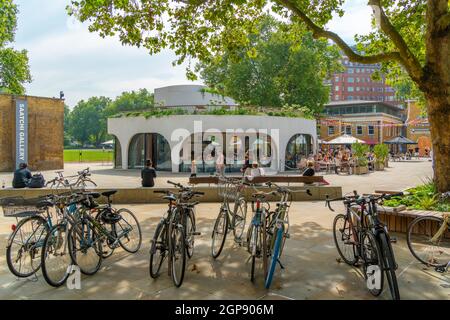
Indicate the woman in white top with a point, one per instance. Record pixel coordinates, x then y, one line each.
254 171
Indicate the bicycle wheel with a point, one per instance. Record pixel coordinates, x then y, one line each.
343 238
129 231
178 254
252 246
219 234
239 218
190 233
372 264
158 250
107 247
389 265
55 256
429 251
275 256
23 255
85 247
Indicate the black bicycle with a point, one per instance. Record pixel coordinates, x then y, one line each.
175 234
360 236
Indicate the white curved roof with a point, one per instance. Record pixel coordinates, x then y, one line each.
188 96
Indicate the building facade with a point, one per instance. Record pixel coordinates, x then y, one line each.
173 142
418 129
355 83
32 131
371 121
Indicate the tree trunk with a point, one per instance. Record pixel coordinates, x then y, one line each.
439 118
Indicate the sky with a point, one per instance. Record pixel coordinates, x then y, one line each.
65 56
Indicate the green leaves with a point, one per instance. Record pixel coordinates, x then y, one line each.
8 21
14 65
280 65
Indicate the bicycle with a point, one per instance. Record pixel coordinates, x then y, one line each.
277 228
229 189
81 180
27 237
174 235
80 239
360 236
256 233
428 240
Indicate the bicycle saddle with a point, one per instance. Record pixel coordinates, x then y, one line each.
258 195
94 195
171 197
44 204
109 193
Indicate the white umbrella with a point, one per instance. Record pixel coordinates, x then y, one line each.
108 142
345 139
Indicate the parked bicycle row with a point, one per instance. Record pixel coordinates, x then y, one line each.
58 231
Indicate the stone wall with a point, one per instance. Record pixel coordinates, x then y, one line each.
45 132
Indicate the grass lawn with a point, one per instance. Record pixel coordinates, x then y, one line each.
88 155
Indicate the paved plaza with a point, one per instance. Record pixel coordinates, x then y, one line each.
312 268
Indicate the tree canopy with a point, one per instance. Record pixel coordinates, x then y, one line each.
275 69
86 123
14 68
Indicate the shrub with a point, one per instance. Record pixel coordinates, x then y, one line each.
359 151
381 152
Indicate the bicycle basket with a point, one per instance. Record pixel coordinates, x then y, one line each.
19 207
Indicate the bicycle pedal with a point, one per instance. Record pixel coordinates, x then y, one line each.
196 233
287 235
393 240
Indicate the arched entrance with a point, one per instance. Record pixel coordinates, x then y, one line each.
298 147
151 146
257 146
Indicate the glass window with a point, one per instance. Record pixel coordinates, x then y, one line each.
350 97
336 88
330 130
350 89
351 80
117 154
151 146
359 130
350 70
336 78
371 130
298 148
348 130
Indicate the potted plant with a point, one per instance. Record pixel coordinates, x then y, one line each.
359 151
381 152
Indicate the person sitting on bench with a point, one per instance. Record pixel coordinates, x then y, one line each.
22 176
309 172
148 174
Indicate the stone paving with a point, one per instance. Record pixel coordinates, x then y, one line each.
313 270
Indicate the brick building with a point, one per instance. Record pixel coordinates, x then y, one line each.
355 83
32 131
418 129
371 121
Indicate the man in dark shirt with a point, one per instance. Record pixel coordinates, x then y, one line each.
148 174
22 176
309 172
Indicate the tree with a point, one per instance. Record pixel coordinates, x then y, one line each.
67 136
131 101
14 68
411 37
87 121
279 71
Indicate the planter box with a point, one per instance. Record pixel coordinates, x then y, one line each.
379 166
361 170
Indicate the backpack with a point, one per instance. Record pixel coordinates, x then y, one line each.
37 181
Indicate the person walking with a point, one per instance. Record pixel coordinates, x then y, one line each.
148 175
193 169
22 176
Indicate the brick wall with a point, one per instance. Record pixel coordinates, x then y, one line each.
45 132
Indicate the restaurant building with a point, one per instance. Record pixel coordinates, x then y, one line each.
371 121
172 142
